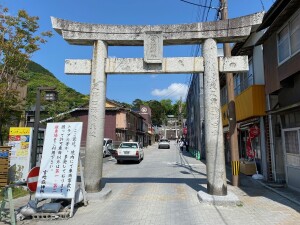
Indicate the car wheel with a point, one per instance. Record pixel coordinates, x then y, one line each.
118 161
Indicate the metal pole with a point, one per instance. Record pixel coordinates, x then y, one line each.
36 128
272 145
234 148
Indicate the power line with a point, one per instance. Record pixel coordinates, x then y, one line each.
195 51
204 6
218 13
262 4
209 10
203 14
171 92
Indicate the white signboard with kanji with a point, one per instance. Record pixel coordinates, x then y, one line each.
58 169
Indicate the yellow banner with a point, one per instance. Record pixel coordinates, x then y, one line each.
19 131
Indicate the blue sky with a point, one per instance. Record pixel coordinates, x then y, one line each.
123 88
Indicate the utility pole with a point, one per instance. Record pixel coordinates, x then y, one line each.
234 149
50 96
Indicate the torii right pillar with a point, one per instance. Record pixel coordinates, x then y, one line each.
214 144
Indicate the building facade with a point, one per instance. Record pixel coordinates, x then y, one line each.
249 105
121 123
281 53
195 117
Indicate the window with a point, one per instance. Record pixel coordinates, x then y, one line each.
237 85
250 77
243 80
291 142
295 34
288 39
283 44
224 94
128 145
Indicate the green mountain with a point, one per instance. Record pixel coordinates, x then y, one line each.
38 76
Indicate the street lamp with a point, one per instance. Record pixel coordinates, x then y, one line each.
50 95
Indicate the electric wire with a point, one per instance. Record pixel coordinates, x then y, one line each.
172 92
262 5
205 10
209 7
208 10
195 50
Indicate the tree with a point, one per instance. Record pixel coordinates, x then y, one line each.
18 41
167 106
137 103
179 105
157 111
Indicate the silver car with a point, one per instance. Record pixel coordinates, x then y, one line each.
164 143
128 151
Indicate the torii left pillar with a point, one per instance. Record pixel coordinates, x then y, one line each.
96 119
214 146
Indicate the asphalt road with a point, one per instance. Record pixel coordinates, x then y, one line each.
82 156
163 188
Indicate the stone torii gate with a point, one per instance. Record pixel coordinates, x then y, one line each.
153 38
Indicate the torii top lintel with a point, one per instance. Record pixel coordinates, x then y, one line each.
231 30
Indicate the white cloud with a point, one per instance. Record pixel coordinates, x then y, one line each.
174 91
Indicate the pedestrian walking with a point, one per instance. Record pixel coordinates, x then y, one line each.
186 145
181 144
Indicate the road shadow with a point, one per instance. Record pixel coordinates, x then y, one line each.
129 162
187 154
194 183
254 188
185 164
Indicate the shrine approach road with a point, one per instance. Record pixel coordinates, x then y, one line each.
162 189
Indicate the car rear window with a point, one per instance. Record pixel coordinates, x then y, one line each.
163 140
128 145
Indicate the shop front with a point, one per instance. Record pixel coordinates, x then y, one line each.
291 145
251 144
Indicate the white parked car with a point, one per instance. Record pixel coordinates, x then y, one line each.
128 151
164 143
107 145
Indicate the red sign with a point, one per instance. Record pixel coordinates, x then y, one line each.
32 178
184 130
254 131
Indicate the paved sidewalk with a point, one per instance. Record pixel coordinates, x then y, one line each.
163 188
256 187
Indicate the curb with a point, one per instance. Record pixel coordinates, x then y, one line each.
228 200
98 196
278 192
